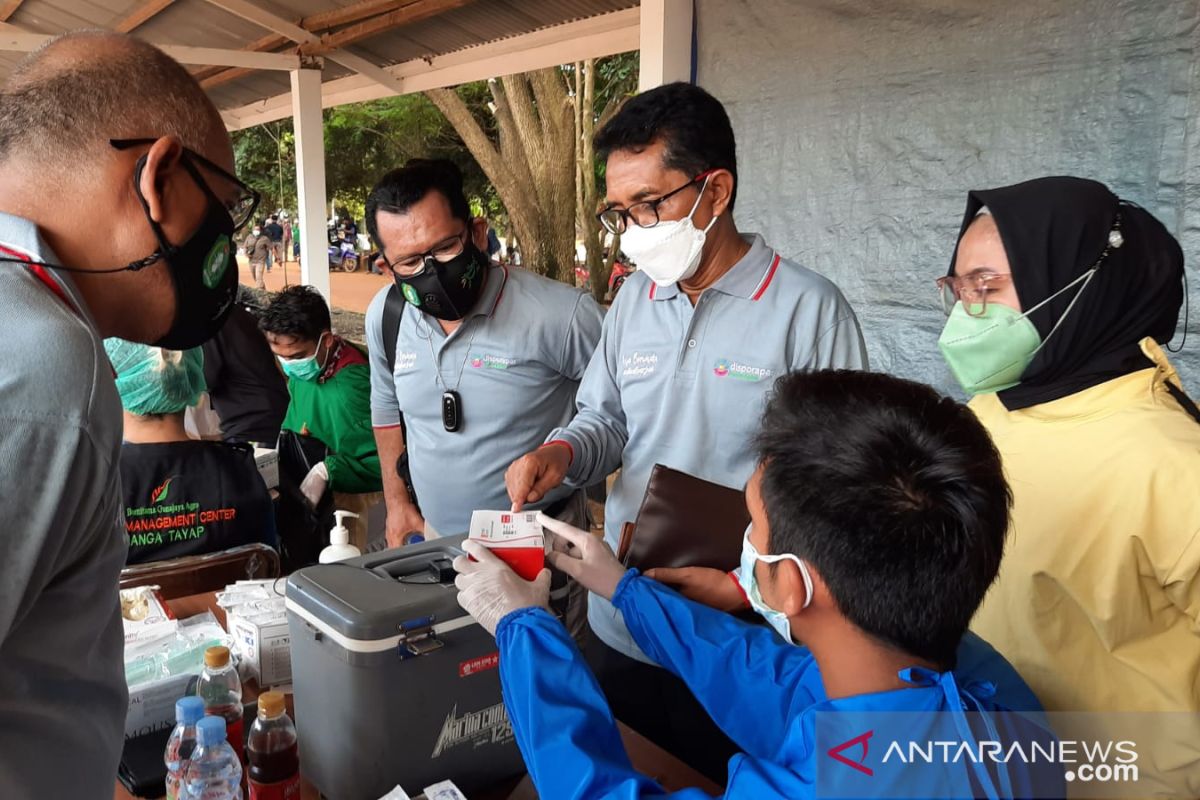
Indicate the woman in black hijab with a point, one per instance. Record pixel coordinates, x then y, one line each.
1056 229
1060 295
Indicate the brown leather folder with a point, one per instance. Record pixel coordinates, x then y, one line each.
685 521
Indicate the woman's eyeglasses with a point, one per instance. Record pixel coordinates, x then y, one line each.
970 290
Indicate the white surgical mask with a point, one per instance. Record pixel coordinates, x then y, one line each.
670 251
777 619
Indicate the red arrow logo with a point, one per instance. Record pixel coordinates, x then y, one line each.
836 753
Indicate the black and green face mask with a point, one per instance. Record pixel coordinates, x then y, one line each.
447 289
202 269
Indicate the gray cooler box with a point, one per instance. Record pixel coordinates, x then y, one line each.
394 683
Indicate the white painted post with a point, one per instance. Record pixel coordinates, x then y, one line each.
310 179
666 42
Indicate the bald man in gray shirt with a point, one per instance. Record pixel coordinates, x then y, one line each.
161 273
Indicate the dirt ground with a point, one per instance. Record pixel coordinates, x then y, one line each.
352 293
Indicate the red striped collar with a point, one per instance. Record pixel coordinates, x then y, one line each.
743 279
767 277
43 275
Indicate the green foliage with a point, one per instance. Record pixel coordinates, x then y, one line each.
362 142
365 140
266 160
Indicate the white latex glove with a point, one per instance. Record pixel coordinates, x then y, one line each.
586 558
315 483
489 590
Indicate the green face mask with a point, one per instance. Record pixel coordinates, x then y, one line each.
302 369
990 352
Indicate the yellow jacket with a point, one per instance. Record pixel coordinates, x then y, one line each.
1098 600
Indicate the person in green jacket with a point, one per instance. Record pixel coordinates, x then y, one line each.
329 381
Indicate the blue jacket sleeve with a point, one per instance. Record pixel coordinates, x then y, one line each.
560 718
751 682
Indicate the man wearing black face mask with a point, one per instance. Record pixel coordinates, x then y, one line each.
487 359
128 134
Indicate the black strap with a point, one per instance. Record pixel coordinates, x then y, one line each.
393 312
1181 397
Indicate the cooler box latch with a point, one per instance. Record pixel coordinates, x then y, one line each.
417 638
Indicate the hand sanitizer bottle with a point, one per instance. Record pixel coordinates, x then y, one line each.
339 548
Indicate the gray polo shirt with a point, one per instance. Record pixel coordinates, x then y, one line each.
516 362
62 545
685 386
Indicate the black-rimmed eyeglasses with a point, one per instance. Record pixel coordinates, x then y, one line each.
643 214
241 209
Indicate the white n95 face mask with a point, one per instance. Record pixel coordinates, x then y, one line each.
777 619
670 251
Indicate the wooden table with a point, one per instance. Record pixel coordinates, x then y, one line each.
647 757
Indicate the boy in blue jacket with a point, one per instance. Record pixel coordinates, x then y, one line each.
878 516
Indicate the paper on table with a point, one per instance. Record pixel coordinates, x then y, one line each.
443 790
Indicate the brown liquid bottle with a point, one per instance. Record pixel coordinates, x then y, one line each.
274 771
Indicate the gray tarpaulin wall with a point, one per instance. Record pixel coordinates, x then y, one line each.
862 124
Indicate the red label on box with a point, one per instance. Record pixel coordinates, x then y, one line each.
525 561
481 664
506 519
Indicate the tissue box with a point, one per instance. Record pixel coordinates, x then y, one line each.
264 645
152 705
516 538
268 466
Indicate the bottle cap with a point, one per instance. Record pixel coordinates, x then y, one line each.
271 705
340 533
216 656
189 710
210 731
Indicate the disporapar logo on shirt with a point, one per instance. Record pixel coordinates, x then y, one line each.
727 368
492 362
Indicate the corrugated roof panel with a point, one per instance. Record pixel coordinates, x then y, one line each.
57 16
480 22
198 23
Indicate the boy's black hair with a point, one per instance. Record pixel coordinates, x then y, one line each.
894 494
298 311
400 189
690 121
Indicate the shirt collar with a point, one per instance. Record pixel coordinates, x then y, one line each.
493 291
21 237
749 278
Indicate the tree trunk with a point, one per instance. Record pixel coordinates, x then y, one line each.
531 165
587 197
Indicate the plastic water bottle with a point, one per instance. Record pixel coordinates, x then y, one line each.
188 712
214 773
272 751
221 690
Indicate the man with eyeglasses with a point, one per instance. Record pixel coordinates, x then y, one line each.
142 251
487 358
690 350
